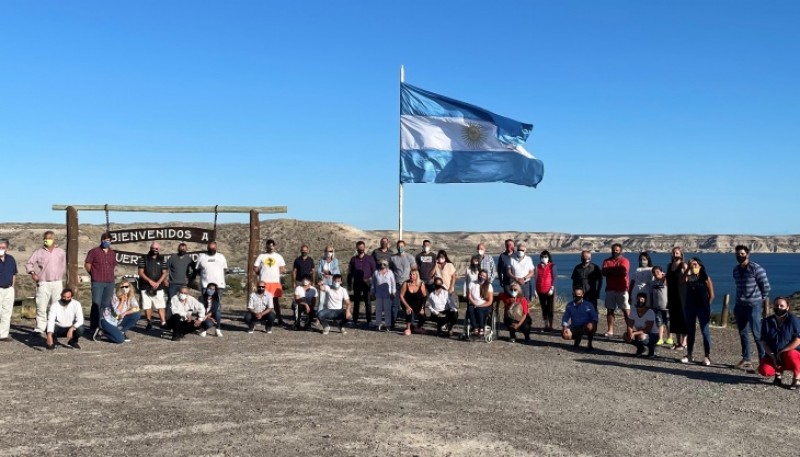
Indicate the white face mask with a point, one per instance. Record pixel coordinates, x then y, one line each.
514 293
426 248
545 260
182 296
520 254
2 252
644 262
481 252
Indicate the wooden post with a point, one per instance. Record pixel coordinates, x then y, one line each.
73 278
252 251
724 316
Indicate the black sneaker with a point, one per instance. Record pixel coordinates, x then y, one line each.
149 326
50 347
639 351
74 345
795 384
777 381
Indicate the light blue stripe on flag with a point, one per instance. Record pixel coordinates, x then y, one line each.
443 140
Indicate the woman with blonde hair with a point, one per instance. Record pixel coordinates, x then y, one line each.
328 266
121 315
412 299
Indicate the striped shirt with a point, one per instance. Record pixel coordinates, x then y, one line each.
487 263
752 285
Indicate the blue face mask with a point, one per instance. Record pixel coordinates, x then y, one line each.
105 244
211 291
401 250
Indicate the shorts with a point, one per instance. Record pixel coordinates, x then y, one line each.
275 289
156 301
617 300
662 317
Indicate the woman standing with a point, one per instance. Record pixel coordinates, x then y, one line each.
383 290
546 275
642 278
447 271
699 295
480 298
472 273
328 266
676 295
412 298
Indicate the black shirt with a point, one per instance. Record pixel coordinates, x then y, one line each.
304 267
153 268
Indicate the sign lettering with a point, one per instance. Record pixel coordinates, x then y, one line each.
188 234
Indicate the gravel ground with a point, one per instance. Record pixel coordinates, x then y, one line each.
369 393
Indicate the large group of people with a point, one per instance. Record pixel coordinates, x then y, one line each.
660 305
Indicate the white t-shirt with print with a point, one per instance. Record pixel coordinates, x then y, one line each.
269 267
212 269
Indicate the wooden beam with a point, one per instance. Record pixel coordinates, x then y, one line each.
175 209
73 277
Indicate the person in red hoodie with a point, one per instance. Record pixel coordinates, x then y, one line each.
616 269
546 275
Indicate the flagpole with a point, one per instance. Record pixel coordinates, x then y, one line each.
400 193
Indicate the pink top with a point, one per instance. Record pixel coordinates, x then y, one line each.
48 265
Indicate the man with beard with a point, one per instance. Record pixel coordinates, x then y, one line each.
303 267
180 268
359 275
152 276
269 267
752 296
615 269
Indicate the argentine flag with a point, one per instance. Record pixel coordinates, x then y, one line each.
443 140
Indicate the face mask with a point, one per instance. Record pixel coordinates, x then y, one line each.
520 254
153 253
336 285
105 244
181 252
438 286
270 248
306 283
211 291
125 288
641 304
48 243
577 298
644 262
182 296
475 266
615 254
514 293
480 252
741 258
360 251
2 252
401 250
780 312
329 254
696 270
441 259
481 280
426 249
260 290
545 260
383 266
585 261
65 302
212 251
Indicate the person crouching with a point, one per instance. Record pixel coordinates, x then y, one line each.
580 319
260 308
642 331
188 315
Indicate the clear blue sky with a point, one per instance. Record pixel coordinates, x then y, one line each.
657 116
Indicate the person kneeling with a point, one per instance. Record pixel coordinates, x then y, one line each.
442 308
65 319
780 334
515 314
642 331
188 315
579 320
260 307
336 306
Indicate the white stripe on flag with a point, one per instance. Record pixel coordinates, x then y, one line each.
450 134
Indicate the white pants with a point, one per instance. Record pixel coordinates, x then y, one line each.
6 307
47 293
383 306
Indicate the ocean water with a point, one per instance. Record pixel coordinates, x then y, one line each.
783 271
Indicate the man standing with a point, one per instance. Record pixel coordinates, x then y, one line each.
487 261
180 268
359 275
152 278
588 277
8 279
270 266
615 269
46 267
752 296
426 262
100 264
383 252
65 319
503 264
520 269
400 265
303 267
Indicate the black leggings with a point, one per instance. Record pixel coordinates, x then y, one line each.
416 310
179 327
525 328
546 302
448 318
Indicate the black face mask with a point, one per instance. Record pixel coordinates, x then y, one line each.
260 290
615 254
360 251
212 251
438 286
153 253
181 252
65 302
577 299
304 254
741 258
780 312
641 304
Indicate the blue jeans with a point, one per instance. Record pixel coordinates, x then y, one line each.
117 334
327 315
703 314
477 316
102 293
748 318
172 291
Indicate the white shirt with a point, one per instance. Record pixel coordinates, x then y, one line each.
187 308
521 267
440 300
640 322
300 293
259 303
65 316
336 297
269 267
642 278
475 293
212 269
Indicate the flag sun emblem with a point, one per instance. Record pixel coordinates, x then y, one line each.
473 135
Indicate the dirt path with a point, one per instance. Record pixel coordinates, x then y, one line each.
376 394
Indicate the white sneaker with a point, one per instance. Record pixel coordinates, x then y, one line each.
326 329
686 359
219 333
706 361
203 333
343 330
251 331
380 327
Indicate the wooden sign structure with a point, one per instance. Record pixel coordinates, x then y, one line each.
188 234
